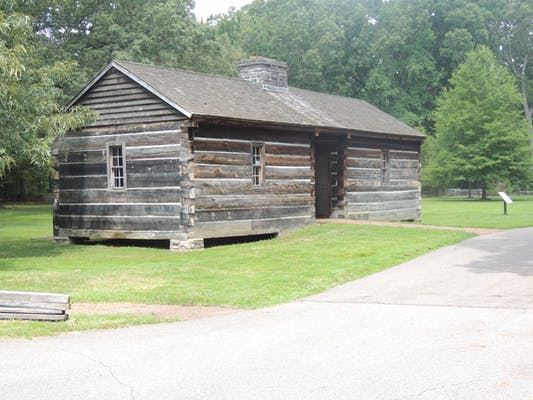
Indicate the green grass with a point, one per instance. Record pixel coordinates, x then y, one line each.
247 275
464 212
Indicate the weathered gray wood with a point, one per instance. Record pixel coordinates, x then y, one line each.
383 205
405 173
81 182
287 160
35 317
221 158
132 195
134 210
42 305
132 138
278 148
367 197
362 153
229 187
352 162
253 213
120 234
32 309
82 169
282 173
222 145
388 215
229 202
107 222
223 171
40 297
33 305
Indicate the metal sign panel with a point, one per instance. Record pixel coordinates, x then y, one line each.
505 197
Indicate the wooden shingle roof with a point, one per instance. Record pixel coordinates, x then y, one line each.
198 95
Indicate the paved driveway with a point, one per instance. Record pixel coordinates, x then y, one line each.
454 324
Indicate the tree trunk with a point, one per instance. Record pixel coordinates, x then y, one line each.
483 192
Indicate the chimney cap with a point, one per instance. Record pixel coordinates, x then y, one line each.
253 60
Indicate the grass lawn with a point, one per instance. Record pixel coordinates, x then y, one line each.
245 275
464 212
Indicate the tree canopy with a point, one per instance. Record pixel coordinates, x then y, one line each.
397 54
481 136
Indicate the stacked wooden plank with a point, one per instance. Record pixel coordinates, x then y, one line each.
34 306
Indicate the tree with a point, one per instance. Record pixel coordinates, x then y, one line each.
481 134
514 35
31 97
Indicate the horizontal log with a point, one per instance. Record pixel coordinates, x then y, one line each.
287 160
152 195
30 310
161 151
248 227
124 98
378 143
253 213
363 153
111 85
82 169
283 173
280 149
40 297
41 305
121 234
222 158
121 209
222 145
366 186
152 179
133 120
150 115
117 223
403 155
252 134
389 215
34 317
352 162
400 164
374 175
405 173
83 182
223 171
134 108
382 205
73 156
153 166
126 128
210 203
99 142
230 187
368 197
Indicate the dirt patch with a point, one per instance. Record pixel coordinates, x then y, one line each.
477 231
161 310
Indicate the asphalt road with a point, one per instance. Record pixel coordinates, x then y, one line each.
454 324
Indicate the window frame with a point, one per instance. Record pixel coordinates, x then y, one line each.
112 169
258 164
385 166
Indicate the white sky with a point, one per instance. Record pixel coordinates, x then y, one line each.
205 8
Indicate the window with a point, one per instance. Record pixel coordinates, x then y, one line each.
257 165
116 167
385 167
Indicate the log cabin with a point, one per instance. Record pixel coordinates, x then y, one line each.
183 156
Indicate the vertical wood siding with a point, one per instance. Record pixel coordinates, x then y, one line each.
149 207
226 201
368 194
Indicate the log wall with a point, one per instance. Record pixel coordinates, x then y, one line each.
372 196
227 203
150 204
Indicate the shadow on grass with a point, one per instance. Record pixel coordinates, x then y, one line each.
12 249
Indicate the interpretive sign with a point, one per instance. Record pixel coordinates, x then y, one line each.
506 200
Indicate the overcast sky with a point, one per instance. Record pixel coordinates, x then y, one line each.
205 8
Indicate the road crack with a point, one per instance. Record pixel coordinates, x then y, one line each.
105 366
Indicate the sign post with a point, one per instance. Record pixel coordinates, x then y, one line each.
506 200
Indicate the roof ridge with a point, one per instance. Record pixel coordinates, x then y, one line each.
120 62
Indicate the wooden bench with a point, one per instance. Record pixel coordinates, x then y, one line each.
34 306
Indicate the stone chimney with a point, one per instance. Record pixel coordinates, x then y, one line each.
265 73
